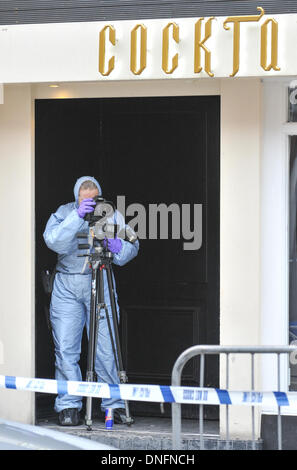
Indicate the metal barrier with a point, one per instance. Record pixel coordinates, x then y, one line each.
227 350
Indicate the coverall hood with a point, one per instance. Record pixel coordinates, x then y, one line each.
80 181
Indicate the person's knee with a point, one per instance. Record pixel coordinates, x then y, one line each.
66 361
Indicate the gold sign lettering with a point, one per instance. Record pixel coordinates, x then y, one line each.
200 44
102 47
143 49
236 34
274 45
165 48
269 45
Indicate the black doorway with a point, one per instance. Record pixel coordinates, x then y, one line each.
152 151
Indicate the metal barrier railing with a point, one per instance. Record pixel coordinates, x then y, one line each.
203 350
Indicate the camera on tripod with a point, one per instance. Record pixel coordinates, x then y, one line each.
99 219
101 222
101 226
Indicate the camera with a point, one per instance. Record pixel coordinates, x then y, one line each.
103 209
101 222
98 219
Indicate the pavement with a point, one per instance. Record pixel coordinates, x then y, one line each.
150 433
146 433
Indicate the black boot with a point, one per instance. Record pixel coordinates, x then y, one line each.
69 417
119 416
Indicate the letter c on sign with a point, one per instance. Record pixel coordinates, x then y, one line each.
165 48
102 45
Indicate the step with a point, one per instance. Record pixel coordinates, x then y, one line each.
153 434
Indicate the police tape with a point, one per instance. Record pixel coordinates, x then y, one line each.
152 393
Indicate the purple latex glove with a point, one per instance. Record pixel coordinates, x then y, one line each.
86 206
113 244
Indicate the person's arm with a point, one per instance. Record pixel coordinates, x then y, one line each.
123 250
61 229
127 253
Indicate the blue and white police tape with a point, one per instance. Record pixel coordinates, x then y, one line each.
152 393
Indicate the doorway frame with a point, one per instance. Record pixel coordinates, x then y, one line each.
179 94
233 311
275 193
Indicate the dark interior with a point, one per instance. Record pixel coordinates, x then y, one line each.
152 150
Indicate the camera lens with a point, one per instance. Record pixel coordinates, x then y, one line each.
103 209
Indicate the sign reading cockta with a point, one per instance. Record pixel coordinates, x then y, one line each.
256 45
172 33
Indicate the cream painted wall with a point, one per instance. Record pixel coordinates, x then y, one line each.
127 88
16 250
240 235
240 221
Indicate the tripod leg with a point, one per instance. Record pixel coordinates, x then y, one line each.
90 375
124 380
119 361
114 314
111 338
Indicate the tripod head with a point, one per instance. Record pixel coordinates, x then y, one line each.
98 252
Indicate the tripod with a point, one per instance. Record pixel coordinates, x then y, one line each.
100 261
